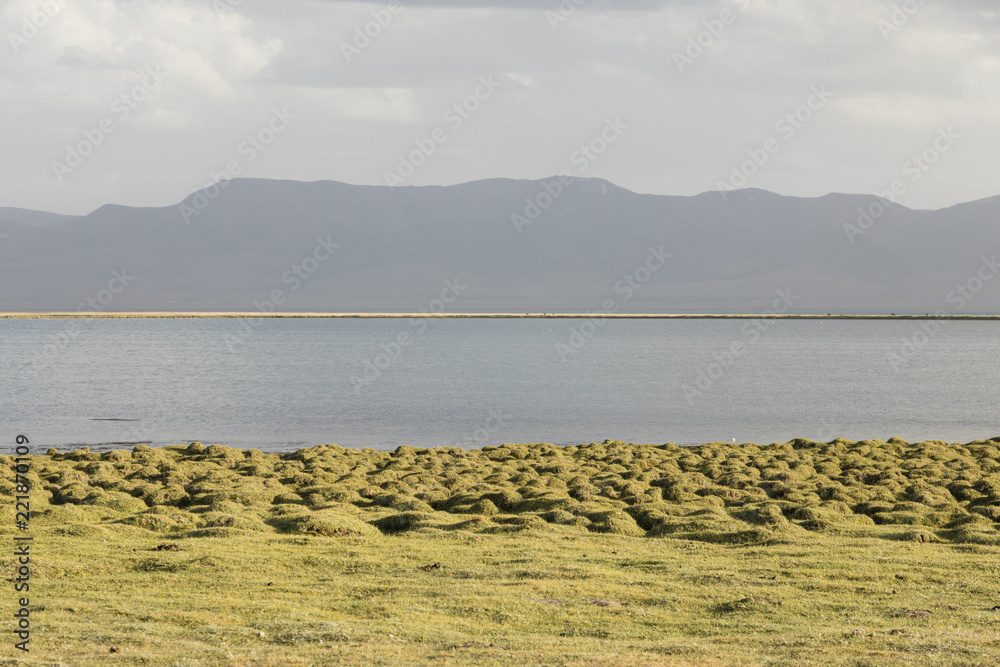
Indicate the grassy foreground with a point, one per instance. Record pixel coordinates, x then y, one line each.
867 553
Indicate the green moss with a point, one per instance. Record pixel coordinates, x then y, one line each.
545 502
288 510
395 523
615 522
115 500
729 494
218 519
484 507
288 498
173 495
74 492
159 523
326 524
526 522
769 514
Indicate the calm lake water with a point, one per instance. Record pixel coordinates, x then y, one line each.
286 384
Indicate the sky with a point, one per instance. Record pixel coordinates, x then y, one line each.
142 102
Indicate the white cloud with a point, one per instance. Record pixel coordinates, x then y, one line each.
395 105
226 72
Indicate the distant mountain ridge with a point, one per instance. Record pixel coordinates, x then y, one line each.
503 246
33 218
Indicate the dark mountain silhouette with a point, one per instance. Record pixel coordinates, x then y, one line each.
512 245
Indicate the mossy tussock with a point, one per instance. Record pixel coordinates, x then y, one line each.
718 492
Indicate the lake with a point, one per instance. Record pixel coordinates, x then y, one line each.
284 384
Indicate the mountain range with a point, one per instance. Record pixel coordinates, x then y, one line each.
502 245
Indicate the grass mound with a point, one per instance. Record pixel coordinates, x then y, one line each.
325 524
717 493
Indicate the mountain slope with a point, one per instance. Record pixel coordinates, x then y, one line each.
513 246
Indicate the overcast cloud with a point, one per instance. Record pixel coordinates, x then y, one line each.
178 86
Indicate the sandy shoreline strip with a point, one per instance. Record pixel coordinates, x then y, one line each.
614 316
